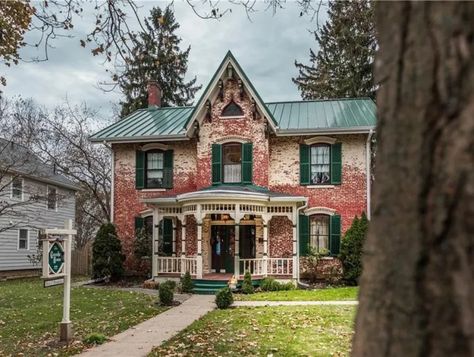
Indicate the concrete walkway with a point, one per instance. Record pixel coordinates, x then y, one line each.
140 339
292 303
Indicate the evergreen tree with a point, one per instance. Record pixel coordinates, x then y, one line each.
107 257
157 56
342 67
351 249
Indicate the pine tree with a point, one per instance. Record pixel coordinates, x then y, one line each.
107 257
157 56
351 249
342 67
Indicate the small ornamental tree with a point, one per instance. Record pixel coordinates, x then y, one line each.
107 257
187 283
247 287
351 250
142 246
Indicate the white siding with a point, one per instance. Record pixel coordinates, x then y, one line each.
39 217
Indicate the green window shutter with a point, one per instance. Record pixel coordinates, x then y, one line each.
167 236
168 169
247 162
216 164
139 223
304 164
336 164
335 234
303 225
140 169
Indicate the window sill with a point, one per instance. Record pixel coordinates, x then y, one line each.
327 258
320 186
153 190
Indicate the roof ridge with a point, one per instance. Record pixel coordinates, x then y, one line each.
319 100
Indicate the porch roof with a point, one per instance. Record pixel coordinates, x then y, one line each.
229 192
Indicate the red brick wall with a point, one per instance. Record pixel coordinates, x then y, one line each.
280 237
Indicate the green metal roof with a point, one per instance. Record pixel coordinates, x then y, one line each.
324 114
146 124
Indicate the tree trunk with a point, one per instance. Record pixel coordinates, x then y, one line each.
417 288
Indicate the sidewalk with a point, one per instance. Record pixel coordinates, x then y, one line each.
140 339
292 303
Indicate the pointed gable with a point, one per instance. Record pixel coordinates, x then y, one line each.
229 66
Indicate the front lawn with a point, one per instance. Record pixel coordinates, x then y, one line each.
29 315
344 293
264 331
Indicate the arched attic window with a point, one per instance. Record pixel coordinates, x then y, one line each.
232 110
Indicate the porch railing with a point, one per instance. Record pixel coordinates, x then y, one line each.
176 265
254 266
280 266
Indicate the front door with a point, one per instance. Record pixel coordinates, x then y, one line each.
247 242
222 254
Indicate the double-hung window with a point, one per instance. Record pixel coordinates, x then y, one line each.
17 188
23 237
320 164
154 169
52 198
232 162
319 233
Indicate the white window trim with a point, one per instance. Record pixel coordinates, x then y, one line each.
321 186
319 210
233 139
155 146
320 140
55 201
153 189
22 188
27 239
222 117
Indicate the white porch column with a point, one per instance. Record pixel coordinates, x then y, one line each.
183 238
237 250
199 251
154 261
173 251
295 242
265 248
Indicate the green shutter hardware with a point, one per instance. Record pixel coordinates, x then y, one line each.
336 164
216 164
168 169
303 225
335 235
304 164
140 170
167 236
247 161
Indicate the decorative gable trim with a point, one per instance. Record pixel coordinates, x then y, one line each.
212 90
155 146
320 139
233 139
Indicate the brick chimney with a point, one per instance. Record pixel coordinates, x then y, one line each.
154 94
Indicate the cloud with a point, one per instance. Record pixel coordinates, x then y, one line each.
265 47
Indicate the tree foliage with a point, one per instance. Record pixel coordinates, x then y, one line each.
157 56
351 249
107 257
342 67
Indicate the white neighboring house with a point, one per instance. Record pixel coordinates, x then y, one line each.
32 197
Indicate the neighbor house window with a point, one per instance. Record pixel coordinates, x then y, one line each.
52 198
319 233
23 239
154 169
17 188
320 164
232 162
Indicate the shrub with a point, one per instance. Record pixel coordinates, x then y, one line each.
142 245
165 294
247 287
95 339
107 257
351 250
171 284
270 284
186 283
224 298
287 286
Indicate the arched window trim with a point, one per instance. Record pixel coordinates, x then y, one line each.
320 140
155 146
320 210
222 115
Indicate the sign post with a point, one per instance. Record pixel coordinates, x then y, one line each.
57 269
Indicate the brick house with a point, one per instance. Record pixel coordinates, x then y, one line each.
234 183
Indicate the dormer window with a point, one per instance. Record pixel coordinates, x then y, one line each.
232 110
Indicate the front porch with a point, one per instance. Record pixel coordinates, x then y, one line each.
226 232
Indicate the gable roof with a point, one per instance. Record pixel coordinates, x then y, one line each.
332 116
19 159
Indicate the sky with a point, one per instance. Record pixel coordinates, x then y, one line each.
266 48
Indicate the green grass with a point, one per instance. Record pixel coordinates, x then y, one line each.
344 293
29 316
261 331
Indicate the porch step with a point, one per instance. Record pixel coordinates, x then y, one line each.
211 287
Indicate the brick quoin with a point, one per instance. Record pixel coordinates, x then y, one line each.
275 165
